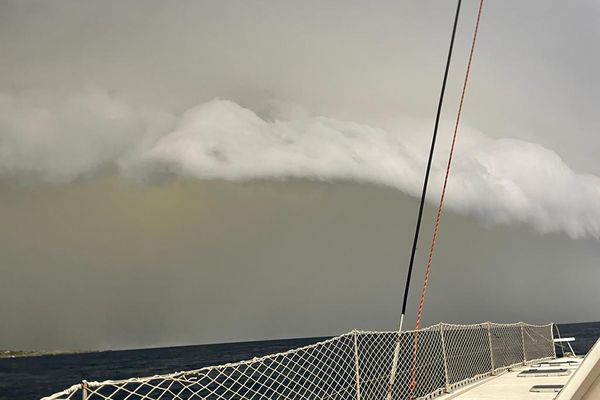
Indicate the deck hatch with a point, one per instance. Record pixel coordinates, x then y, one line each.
546 388
544 372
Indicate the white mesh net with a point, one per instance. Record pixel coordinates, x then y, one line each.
354 366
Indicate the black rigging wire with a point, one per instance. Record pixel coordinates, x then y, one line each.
428 170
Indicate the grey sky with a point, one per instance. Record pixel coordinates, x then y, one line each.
95 261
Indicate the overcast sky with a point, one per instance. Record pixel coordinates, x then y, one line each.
207 171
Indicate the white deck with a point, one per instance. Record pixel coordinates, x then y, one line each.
509 386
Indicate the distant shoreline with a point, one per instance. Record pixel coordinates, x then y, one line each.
37 353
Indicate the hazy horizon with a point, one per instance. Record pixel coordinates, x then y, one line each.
195 172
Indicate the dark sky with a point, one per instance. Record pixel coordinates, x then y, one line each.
191 172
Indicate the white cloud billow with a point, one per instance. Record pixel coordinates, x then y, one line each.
496 180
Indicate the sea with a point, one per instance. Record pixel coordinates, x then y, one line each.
31 378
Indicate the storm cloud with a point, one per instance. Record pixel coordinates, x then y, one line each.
495 180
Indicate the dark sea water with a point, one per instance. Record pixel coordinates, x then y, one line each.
35 377
585 333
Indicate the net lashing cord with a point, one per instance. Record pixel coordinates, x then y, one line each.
443 196
352 366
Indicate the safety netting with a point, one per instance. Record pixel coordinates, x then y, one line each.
360 365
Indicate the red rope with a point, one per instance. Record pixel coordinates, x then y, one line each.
441 204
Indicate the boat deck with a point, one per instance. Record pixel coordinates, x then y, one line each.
511 386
